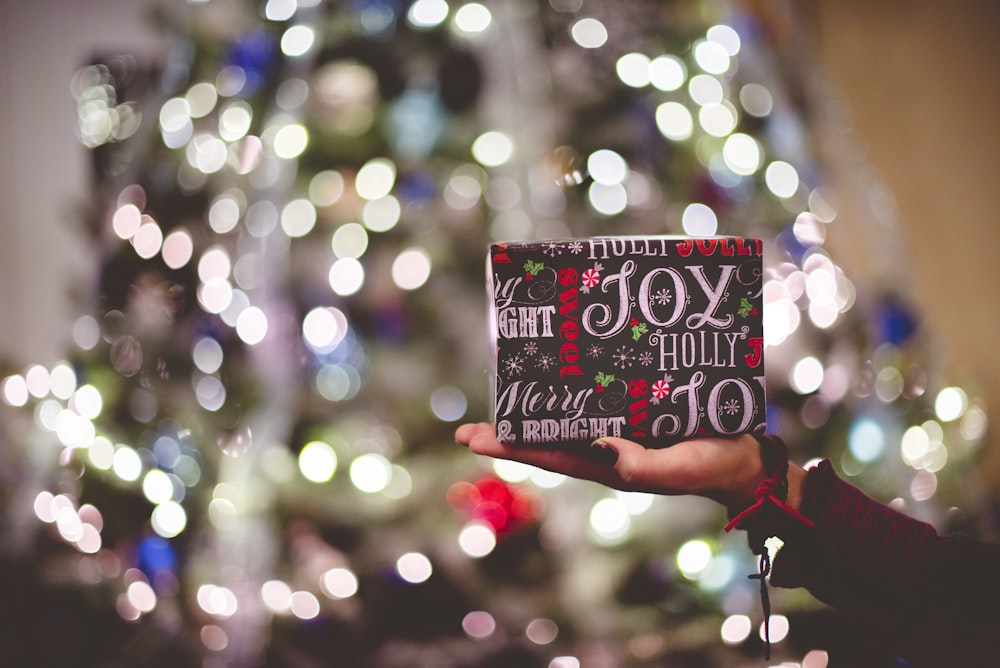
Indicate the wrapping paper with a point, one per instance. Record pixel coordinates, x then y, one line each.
655 339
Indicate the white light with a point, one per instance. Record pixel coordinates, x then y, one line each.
778 629
37 380
297 40
141 595
950 403
693 558
207 355
304 605
317 461
323 328
607 167
756 99
699 220
126 463
298 218
168 519
473 17
608 200
290 141
427 13
277 596
414 567
718 120
589 33
736 629
492 148
215 295
479 624
382 214
346 276
349 240
914 445
339 583
807 375
705 90
147 240
177 248
633 70
157 487
667 73
217 601
448 403
609 519
371 472
326 187
781 179
15 391
375 179
726 37
712 57
251 325
201 99
224 214
742 154
62 381
674 121
411 268
477 539
214 263
126 221
511 471
280 10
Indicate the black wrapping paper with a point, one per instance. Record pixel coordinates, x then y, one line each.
654 339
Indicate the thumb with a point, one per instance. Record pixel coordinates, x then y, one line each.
628 459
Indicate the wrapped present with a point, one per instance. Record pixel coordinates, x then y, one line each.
654 339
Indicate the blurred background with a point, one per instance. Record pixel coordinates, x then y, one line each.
242 309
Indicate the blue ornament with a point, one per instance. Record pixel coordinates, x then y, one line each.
897 323
156 555
417 187
255 53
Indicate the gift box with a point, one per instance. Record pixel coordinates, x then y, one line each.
654 339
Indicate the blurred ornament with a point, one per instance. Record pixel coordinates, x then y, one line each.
237 442
155 555
415 123
565 166
503 506
896 321
126 355
255 54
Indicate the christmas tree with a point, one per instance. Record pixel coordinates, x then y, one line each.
247 457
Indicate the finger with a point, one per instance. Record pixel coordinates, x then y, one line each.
669 470
465 432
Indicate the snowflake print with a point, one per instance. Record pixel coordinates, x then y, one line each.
546 362
623 357
514 365
530 348
575 247
730 407
661 297
552 249
595 351
646 358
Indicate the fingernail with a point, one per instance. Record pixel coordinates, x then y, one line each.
603 452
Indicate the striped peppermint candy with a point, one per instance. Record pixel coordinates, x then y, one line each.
591 278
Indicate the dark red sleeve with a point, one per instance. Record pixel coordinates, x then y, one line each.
938 597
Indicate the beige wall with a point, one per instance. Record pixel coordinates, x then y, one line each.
920 80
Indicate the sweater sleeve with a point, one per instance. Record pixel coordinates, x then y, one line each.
934 595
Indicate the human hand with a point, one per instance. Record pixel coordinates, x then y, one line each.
726 470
